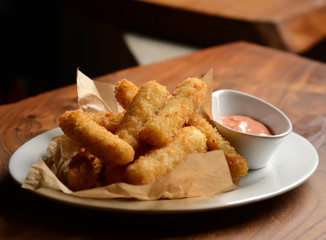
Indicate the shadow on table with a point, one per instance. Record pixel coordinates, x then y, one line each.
24 214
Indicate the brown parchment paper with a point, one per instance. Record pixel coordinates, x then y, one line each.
198 174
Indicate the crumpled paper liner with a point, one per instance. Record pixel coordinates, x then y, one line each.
198 174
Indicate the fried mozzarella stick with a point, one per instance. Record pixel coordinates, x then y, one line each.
109 120
186 98
150 98
124 92
159 162
237 164
83 171
95 138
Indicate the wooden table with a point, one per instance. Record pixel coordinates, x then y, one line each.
292 25
295 84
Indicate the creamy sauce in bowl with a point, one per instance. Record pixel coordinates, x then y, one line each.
244 124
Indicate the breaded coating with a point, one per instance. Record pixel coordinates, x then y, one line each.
95 138
109 120
124 92
159 162
150 98
186 98
83 171
237 163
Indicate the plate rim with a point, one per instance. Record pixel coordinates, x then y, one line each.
82 202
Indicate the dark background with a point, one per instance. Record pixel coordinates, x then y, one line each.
44 42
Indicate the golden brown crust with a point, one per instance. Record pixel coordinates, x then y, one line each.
95 138
150 98
161 161
237 163
184 101
124 92
109 120
152 117
83 171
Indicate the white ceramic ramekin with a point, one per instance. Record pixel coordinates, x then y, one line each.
256 149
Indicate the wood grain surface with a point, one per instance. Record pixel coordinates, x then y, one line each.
294 84
291 25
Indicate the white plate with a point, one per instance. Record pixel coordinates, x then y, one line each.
294 161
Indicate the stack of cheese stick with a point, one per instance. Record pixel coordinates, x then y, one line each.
145 141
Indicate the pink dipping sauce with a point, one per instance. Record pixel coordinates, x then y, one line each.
244 124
